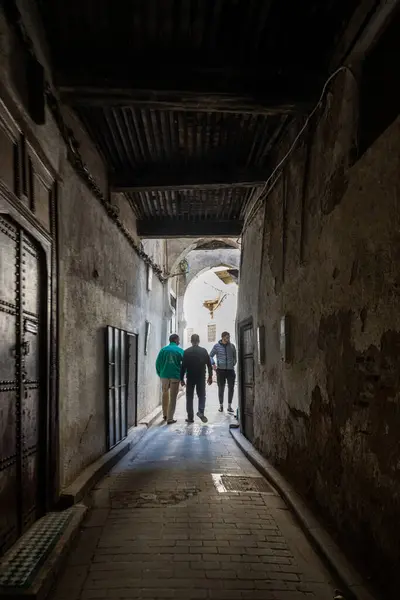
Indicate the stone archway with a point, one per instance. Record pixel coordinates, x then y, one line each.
205 263
200 257
207 285
177 250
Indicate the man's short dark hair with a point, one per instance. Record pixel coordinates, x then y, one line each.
195 339
174 338
225 333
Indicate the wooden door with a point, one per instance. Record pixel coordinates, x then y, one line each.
22 385
246 348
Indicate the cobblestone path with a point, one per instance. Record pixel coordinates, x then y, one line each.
167 523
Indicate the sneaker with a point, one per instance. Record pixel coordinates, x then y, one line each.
202 417
171 421
189 420
230 409
221 408
165 417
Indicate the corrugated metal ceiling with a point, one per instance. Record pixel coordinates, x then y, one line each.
131 139
189 205
210 46
139 137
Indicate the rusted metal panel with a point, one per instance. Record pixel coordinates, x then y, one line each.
237 483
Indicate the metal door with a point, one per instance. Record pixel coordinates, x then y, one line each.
116 384
132 340
247 378
22 391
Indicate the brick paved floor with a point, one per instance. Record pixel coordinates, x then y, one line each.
160 528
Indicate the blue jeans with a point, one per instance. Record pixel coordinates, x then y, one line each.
200 386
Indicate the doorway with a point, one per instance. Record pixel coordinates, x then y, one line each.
132 379
23 404
246 361
121 383
117 428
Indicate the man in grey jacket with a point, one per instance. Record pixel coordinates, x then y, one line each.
226 356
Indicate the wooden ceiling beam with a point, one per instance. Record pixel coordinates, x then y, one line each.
262 91
267 104
170 228
384 13
184 178
364 30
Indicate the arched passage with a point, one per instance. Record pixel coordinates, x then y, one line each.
186 257
179 249
199 255
210 284
207 286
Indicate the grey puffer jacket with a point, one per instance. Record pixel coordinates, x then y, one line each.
225 354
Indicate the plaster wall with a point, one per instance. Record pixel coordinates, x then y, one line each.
324 250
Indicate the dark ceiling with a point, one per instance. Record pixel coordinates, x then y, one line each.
185 99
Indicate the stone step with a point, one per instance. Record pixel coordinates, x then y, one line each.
30 567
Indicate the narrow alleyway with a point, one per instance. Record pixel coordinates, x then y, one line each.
179 167
161 528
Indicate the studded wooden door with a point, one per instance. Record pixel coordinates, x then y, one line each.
21 382
246 358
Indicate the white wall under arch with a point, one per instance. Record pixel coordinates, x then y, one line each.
197 260
202 288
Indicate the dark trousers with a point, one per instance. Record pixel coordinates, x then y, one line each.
200 385
223 376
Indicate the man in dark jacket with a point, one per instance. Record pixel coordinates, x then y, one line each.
226 356
195 361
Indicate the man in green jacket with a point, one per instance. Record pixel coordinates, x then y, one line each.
168 367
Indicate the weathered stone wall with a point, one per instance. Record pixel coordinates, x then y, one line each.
198 260
330 417
101 279
102 282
